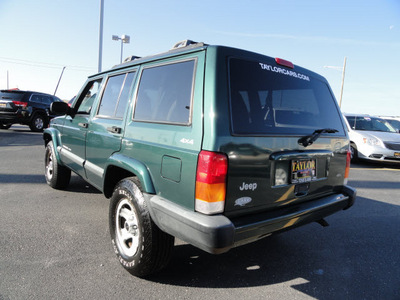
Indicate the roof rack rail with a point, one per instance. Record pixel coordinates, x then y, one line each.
186 43
130 58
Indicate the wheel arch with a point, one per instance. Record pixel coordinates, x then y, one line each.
119 167
41 113
51 135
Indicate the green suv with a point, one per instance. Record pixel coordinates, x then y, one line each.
213 145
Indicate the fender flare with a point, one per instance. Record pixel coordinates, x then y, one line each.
133 166
52 135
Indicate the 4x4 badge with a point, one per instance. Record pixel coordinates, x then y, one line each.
243 201
187 141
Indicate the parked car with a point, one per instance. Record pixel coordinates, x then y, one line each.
213 145
373 138
25 107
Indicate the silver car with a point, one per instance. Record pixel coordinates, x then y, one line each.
372 138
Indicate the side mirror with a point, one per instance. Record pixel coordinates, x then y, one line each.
60 108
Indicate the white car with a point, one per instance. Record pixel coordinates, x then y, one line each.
372 138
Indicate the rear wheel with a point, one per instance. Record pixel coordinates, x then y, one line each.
141 247
5 125
57 176
38 123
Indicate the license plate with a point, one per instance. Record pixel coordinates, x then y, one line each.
3 104
303 171
397 154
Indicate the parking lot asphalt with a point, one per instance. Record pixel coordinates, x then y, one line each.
56 245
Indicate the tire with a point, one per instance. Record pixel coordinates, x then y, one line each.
5 125
354 153
141 247
38 123
57 176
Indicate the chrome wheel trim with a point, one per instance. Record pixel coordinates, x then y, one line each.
39 124
127 228
49 165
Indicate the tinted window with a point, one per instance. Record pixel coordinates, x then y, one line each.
46 99
115 96
266 100
123 98
36 98
10 95
165 93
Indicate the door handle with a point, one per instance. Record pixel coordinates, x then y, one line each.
83 125
114 129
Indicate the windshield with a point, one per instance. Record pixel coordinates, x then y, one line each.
271 100
369 124
395 123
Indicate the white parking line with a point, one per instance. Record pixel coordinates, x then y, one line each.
375 169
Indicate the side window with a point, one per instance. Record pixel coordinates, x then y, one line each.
46 99
86 99
36 98
115 96
165 93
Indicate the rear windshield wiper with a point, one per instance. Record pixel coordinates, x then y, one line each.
309 139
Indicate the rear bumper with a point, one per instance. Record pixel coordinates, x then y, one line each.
8 116
18 116
217 234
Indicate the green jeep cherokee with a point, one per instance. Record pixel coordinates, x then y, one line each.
213 145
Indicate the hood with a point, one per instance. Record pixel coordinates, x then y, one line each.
383 136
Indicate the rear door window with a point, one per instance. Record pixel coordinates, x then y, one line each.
115 96
271 100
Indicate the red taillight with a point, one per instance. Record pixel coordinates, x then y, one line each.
347 171
20 104
285 63
211 182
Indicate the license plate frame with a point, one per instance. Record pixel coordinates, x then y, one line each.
303 170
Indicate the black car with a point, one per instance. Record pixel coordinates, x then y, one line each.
25 107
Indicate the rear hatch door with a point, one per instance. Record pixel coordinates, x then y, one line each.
272 108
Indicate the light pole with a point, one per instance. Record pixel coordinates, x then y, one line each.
62 72
101 35
125 39
343 72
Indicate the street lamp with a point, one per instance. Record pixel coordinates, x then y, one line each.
125 39
343 72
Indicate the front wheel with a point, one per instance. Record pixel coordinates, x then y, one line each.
57 176
353 153
141 247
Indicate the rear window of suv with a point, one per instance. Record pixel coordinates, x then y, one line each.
8 95
268 100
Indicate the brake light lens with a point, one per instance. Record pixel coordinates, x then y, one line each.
347 171
284 63
211 174
20 104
